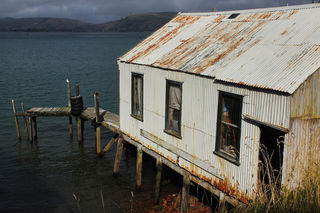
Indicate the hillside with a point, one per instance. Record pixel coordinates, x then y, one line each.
44 25
147 22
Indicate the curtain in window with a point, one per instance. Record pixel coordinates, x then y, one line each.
137 96
174 108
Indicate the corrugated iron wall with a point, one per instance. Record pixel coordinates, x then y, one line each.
199 122
304 139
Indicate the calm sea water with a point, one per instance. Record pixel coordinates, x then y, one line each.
44 176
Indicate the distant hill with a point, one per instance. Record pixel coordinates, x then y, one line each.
147 22
44 25
140 22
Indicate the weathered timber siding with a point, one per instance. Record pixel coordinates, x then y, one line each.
198 124
304 138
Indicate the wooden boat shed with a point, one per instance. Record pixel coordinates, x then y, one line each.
207 90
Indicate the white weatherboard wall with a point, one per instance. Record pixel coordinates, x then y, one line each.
199 121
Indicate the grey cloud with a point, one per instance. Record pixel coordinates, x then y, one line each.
99 11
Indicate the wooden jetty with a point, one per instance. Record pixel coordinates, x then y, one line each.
110 120
97 116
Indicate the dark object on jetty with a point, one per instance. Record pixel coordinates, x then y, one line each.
76 105
96 123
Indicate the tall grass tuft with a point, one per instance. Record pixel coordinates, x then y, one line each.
271 197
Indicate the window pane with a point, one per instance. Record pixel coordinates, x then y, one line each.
137 98
173 107
228 129
174 97
173 119
230 110
228 140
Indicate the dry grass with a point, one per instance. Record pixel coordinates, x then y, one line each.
271 198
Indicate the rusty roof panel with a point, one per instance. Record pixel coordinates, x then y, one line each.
274 48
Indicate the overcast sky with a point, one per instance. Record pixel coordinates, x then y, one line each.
99 11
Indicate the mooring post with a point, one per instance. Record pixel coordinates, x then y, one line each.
96 101
77 90
118 157
30 129
25 120
185 193
34 128
69 107
79 120
16 119
158 181
139 167
80 129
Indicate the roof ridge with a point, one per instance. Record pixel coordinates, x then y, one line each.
269 9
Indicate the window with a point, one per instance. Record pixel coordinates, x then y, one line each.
173 108
137 96
229 126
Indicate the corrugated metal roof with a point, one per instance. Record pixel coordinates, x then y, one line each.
274 48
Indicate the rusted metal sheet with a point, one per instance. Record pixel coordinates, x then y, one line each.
305 102
304 138
302 150
275 48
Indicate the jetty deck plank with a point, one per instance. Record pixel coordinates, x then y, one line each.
110 120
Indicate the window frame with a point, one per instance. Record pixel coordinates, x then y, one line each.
217 151
166 129
136 75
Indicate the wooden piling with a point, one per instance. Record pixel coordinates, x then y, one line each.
16 119
30 129
34 128
80 124
118 157
77 90
96 101
69 107
25 120
185 193
158 180
139 167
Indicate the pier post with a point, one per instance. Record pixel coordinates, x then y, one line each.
69 107
139 167
185 193
96 101
79 120
158 180
16 119
34 128
80 129
30 129
118 157
25 120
